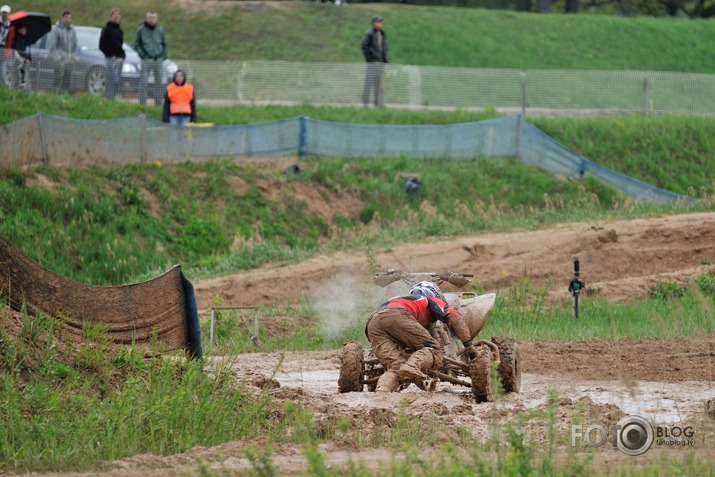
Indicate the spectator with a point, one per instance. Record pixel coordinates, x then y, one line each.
179 101
7 32
150 43
63 50
374 48
22 48
341 2
111 43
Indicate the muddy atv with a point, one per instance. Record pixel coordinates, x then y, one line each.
359 368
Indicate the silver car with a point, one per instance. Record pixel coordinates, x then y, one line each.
89 72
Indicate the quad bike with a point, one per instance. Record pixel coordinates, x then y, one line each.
359 369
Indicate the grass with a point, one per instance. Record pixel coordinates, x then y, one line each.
69 405
523 311
309 31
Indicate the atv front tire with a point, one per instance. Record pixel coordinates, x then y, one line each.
351 368
480 374
510 364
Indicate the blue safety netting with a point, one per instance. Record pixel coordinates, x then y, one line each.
55 140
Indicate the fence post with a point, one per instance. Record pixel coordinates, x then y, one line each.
646 94
142 152
518 136
523 93
302 138
43 146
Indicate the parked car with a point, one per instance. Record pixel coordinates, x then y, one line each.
90 71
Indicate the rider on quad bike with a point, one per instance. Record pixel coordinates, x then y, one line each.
401 324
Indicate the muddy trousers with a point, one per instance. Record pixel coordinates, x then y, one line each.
393 330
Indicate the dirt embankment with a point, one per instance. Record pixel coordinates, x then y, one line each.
620 260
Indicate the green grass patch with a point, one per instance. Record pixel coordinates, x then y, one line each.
669 152
523 312
309 31
68 405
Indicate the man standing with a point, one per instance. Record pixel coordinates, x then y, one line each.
63 50
7 32
111 43
22 48
150 43
374 47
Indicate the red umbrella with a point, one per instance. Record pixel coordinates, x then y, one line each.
38 24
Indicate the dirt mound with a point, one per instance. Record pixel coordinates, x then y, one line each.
620 260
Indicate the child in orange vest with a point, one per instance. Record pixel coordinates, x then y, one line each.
179 101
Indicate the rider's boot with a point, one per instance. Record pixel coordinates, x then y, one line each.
420 361
388 382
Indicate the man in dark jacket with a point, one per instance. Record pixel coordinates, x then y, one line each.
150 44
374 48
22 49
111 43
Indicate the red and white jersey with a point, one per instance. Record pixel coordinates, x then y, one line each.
424 310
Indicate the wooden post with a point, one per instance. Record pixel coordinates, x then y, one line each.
523 94
646 95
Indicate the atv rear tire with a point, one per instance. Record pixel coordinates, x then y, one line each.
480 374
351 368
510 363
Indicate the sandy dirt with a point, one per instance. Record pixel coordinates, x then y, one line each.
620 261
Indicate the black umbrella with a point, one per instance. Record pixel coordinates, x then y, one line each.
38 24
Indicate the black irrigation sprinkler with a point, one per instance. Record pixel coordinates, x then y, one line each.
576 285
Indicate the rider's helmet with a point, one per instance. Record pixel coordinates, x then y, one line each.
427 289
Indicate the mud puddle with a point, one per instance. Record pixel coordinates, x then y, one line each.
667 403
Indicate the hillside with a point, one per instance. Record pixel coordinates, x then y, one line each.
449 36
112 225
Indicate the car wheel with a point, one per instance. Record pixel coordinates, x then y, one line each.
96 81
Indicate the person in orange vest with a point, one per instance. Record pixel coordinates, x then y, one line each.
179 101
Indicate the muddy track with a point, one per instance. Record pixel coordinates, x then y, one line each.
666 380
620 260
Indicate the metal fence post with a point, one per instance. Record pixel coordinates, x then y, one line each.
523 93
43 146
302 138
142 152
646 94
517 140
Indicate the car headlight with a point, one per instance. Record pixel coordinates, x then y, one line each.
129 68
170 67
